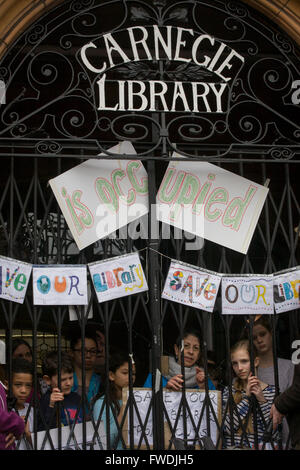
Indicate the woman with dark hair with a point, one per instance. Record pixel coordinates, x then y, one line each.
111 393
186 348
20 348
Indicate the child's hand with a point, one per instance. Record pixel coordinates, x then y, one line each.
55 396
9 440
27 430
200 377
253 386
175 383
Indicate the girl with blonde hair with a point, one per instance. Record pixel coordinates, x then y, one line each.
239 426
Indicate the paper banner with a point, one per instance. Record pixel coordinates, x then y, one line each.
14 278
192 286
60 285
72 308
287 290
118 277
98 196
247 295
210 202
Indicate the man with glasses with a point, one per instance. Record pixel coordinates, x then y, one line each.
84 356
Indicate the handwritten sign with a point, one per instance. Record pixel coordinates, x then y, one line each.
14 278
142 424
118 277
60 285
247 295
210 202
192 286
73 441
287 290
98 196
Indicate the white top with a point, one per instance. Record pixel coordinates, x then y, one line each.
285 374
25 445
285 379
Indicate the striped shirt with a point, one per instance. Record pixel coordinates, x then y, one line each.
240 411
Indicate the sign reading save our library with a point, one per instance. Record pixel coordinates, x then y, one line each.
210 202
98 197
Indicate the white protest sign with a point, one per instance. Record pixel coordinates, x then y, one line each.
287 290
2 352
95 440
247 295
60 285
118 277
98 196
14 278
210 202
142 424
192 286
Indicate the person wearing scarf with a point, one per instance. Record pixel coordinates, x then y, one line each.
186 348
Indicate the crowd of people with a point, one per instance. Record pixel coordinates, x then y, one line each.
86 384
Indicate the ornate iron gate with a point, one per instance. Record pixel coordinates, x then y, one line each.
51 122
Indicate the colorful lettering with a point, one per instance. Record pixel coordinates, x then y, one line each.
235 211
116 272
220 196
110 279
86 217
201 196
165 194
199 288
294 284
126 277
10 278
107 194
262 295
187 194
60 286
20 282
77 222
210 289
248 290
74 285
176 283
278 293
140 187
233 287
43 284
288 292
99 286
188 283
117 175
132 272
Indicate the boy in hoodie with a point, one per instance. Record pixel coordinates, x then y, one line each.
51 414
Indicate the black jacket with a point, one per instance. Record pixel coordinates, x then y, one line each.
288 403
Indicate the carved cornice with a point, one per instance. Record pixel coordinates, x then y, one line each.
17 15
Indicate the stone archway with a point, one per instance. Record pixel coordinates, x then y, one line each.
17 15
